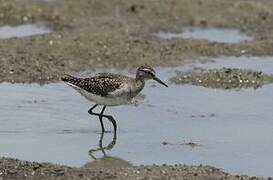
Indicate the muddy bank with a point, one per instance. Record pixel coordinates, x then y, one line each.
92 34
224 78
17 169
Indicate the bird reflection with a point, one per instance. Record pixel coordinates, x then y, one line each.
106 160
101 147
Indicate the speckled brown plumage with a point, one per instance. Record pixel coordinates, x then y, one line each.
101 84
109 89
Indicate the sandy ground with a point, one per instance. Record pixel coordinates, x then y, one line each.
90 34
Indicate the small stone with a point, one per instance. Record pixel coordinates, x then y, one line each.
25 18
243 51
164 143
148 169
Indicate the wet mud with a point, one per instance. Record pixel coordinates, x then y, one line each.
224 78
93 34
17 169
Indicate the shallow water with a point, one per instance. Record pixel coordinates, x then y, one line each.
211 34
264 64
23 30
51 123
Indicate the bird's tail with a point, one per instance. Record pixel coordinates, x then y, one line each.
70 79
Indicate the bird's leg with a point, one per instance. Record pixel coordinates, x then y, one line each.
113 121
90 111
101 115
110 118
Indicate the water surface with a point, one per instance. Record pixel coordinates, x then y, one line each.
233 128
211 34
264 64
23 30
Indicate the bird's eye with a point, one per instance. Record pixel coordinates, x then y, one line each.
150 73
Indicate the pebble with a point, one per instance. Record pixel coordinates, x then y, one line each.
51 42
25 18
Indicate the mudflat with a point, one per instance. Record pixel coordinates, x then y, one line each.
17 169
119 34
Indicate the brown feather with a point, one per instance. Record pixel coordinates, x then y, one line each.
101 84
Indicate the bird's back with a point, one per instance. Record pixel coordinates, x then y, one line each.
101 84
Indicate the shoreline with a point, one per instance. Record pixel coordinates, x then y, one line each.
17 169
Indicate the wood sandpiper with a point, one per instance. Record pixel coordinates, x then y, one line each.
109 89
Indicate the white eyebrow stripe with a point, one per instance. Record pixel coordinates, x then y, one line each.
148 70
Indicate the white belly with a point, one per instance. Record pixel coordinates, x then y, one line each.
108 101
100 100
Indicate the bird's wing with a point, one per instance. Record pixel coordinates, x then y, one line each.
101 84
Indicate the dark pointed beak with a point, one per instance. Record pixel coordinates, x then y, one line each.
161 82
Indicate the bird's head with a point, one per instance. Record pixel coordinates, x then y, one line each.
146 73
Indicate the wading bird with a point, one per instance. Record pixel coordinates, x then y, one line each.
109 89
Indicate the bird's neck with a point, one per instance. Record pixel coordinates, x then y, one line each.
137 86
140 80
